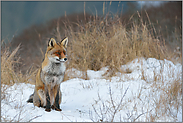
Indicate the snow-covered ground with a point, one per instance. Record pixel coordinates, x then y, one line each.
132 96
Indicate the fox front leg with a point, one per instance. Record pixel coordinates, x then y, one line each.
57 99
48 105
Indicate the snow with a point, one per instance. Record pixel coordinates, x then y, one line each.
125 97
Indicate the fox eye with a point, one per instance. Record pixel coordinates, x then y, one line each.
64 52
58 53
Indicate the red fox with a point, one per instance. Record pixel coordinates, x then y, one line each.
47 92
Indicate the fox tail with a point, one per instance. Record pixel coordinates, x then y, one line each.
30 100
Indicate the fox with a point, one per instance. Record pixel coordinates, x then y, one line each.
47 92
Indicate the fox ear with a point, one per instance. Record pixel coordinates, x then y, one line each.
51 42
64 42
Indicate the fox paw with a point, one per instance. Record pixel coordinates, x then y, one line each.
58 109
48 110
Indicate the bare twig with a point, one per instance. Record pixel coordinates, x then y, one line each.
141 114
106 110
34 118
118 105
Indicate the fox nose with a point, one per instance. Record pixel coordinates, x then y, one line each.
65 59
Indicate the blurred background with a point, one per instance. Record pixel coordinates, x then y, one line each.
18 16
31 23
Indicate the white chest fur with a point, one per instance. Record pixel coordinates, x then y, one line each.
53 73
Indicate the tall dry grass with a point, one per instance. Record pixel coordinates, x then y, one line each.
10 72
8 61
107 42
160 23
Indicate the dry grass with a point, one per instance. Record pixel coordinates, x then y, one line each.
170 97
125 33
108 42
9 68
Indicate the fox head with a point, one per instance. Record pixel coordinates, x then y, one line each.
56 52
